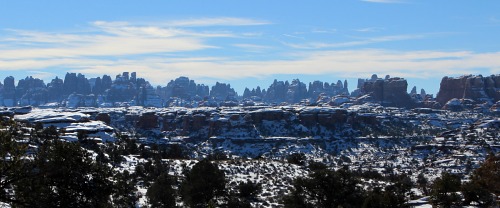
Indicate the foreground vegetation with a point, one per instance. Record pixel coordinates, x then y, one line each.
38 169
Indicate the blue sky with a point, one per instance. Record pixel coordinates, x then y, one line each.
251 43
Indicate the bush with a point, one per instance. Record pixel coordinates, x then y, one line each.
248 190
326 188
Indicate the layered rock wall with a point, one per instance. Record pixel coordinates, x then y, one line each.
389 91
478 88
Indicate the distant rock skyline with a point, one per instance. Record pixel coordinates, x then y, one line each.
76 90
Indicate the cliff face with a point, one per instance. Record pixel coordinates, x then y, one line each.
204 123
477 88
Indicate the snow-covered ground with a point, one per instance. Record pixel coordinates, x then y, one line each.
370 137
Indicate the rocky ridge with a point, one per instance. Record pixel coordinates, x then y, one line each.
478 88
474 92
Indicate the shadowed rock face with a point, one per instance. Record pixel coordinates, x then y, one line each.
147 121
477 88
264 122
104 117
391 91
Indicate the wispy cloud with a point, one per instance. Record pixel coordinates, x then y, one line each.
127 29
252 34
369 29
161 53
252 47
219 21
330 31
108 46
293 36
384 1
118 39
111 39
344 63
42 75
320 45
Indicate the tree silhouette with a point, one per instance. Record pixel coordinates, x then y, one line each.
203 184
326 188
474 192
444 191
248 189
124 190
161 193
485 182
13 165
422 183
297 158
64 175
487 175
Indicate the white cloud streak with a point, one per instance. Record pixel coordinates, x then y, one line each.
320 45
108 46
219 21
114 47
252 47
111 39
369 29
115 39
328 31
346 63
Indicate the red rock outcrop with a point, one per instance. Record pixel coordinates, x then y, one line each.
324 117
478 88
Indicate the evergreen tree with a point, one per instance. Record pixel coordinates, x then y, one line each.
124 190
422 183
64 175
444 191
297 158
374 199
13 165
203 184
161 193
398 190
326 188
485 183
474 192
488 174
248 190
315 166
237 202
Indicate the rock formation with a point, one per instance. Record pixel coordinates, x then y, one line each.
9 91
478 88
388 91
55 90
222 92
277 91
183 88
296 91
31 91
317 88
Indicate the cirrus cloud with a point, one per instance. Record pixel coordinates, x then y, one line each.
161 52
344 63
